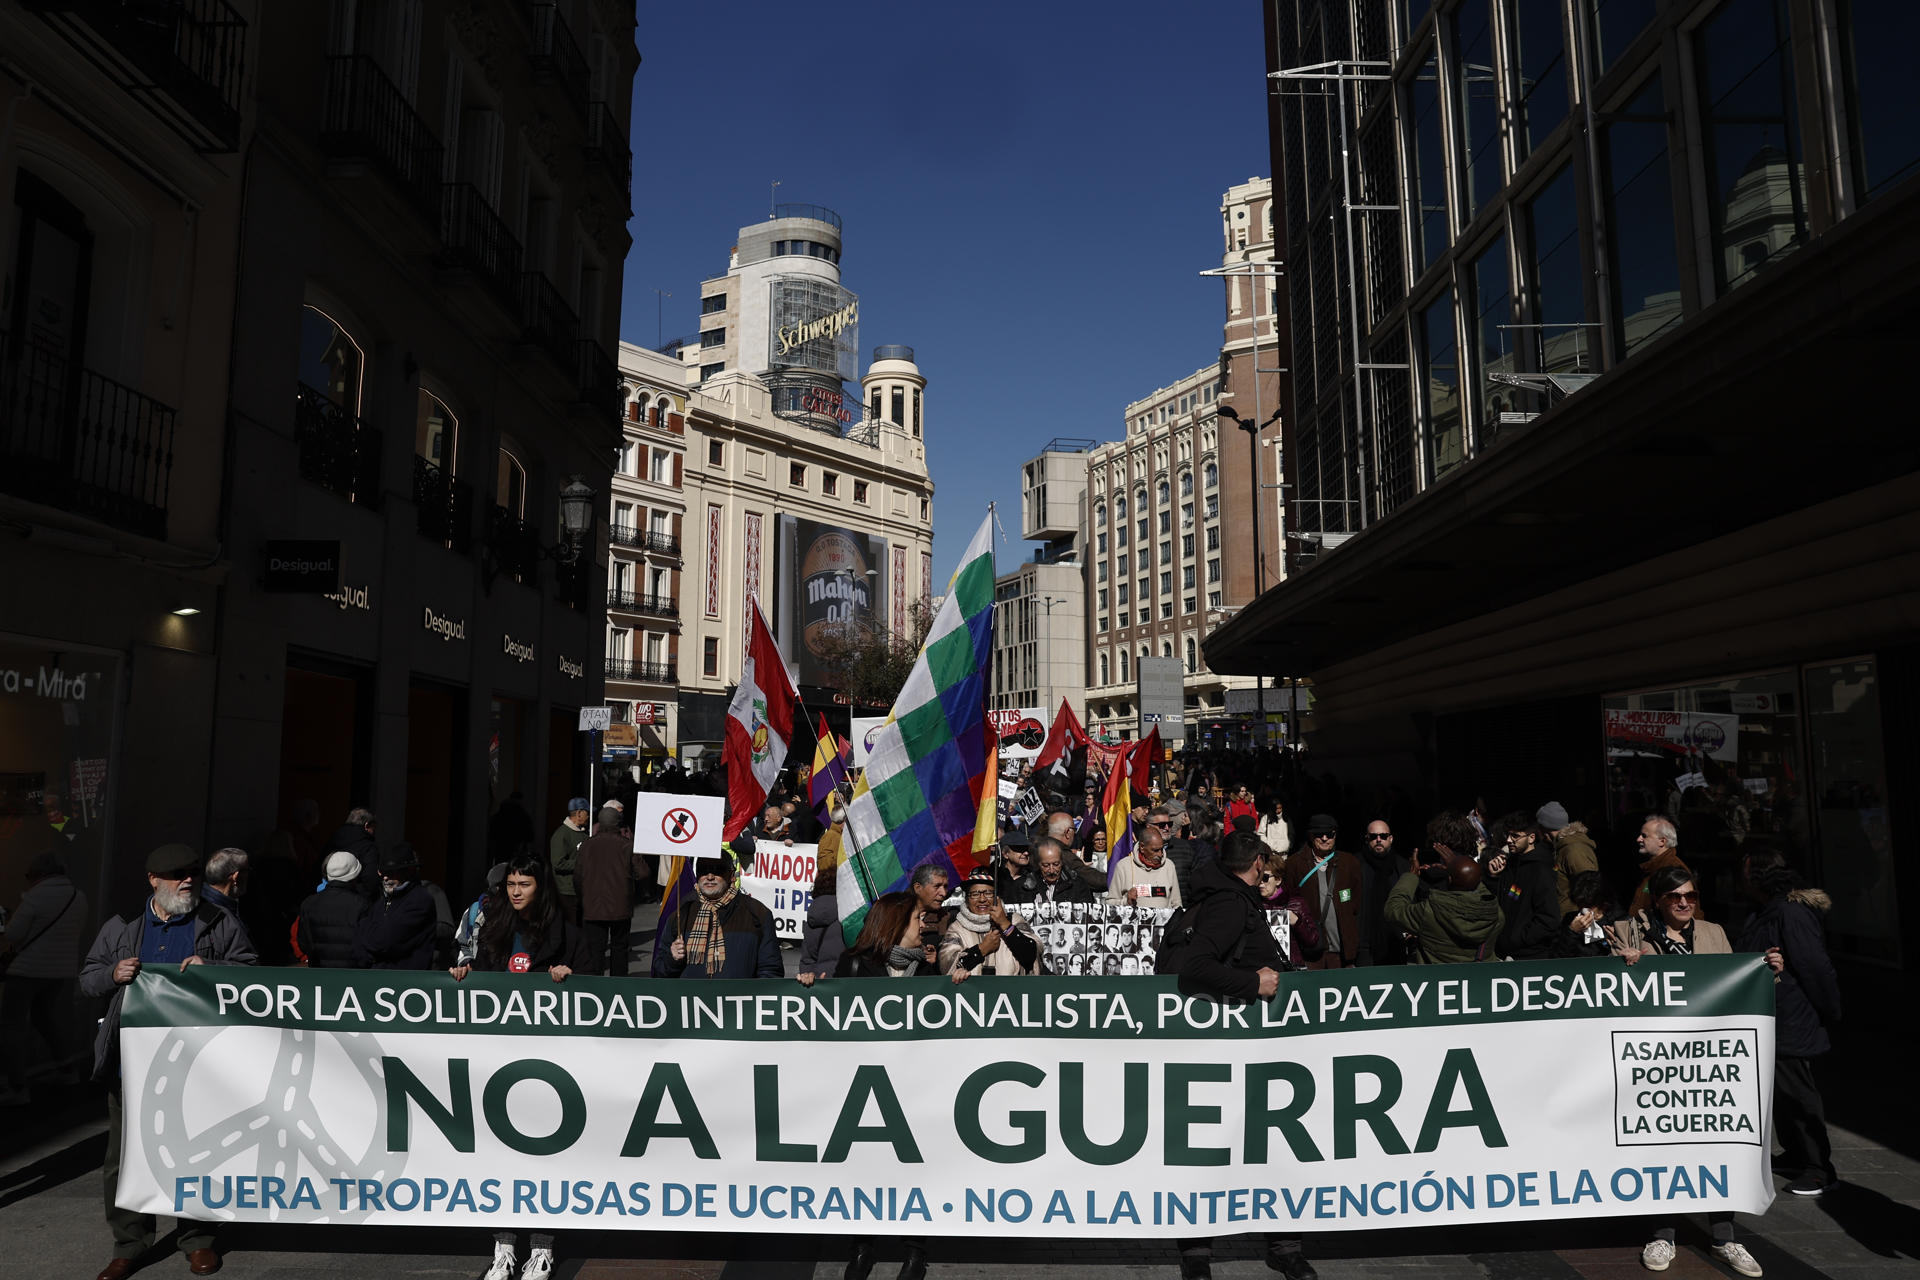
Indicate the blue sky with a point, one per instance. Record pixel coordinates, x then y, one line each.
1028 190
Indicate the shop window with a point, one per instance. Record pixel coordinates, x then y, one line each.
1646 272
1882 112
1756 185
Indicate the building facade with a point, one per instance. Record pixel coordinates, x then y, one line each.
1620 522
646 554
1040 615
424 379
114 365
1252 352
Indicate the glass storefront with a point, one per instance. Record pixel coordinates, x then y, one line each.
1790 758
57 710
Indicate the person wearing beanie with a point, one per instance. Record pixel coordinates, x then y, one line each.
397 931
1573 850
323 931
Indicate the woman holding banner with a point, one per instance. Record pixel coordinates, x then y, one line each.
523 930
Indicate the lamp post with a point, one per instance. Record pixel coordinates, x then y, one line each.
576 517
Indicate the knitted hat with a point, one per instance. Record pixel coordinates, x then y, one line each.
342 867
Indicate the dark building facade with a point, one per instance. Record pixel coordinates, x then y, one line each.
1594 403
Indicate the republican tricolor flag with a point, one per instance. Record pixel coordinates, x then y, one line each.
759 727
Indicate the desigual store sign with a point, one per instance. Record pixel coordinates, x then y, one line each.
448 629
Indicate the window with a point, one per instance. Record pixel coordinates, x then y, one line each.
436 433
916 413
1146 615
1166 521
1125 596
1120 536
1556 280
713 303
1186 515
662 472
1166 608
713 338
1120 508
1479 104
830 484
710 656
1103 597
1212 508
711 371
1756 185
797 475
1619 22
1100 519
1123 667
1140 561
1144 535
1213 537
1100 571
1186 546
926 510
716 453
860 491
873 409
330 360
1166 552
1166 648
1186 606
1213 475
1492 307
1646 272
1213 570
1144 584
1885 136
623 515
1103 669
1100 544
510 485
1541 95
1186 577
1193 657
899 407
1424 152
1166 583
1213 599
1186 484
1103 622
1440 370
1162 493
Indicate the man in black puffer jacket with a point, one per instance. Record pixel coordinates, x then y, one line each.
398 931
330 918
1528 891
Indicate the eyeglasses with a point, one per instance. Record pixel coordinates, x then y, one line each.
1681 899
1379 835
1166 822
177 876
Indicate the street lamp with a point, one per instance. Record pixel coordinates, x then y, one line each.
576 517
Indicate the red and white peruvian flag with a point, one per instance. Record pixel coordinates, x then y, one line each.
759 727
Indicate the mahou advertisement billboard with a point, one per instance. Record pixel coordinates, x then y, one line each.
830 577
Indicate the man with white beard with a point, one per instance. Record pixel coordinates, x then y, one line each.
174 928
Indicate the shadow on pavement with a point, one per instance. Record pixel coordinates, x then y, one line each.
81 1158
1875 1221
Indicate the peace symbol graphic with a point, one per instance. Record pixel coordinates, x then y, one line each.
283 1128
679 825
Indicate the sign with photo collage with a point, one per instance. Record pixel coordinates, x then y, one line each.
1107 939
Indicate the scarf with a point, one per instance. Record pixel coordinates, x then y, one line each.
1681 946
706 939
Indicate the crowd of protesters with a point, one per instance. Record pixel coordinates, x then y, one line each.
1215 843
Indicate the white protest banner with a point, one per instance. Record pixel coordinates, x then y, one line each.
781 879
1045 1107
669 826
864 728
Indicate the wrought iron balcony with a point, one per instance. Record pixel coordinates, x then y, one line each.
337 450
476 238
596 377
183 58
607 148
546 319
626 535
635 602
512 547
369 119
645 672
443 506
556 57
74 439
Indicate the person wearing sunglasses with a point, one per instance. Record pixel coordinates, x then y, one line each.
720 932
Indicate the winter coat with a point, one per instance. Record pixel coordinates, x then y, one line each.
1180 854
357 841
1005 961
753 949
47 931
1129 873
1640 931
605 869
1069 888
1568 945
1529 901
1573 853
1226 911
1009 888
1347 885
398 930
1380 942
563 847
217 939
1303 937
1450 926
1806 994
328 921
822 940
1274 831
565 944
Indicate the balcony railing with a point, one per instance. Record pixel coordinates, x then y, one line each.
476 238
337 450
627 535
645 672
184 58
368 118
74 439
607 148
511 545
443 506
636 602
546 319
597 377
556 57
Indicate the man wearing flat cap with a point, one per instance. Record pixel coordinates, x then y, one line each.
173 930
1014 877
399 929
1331 880
720 932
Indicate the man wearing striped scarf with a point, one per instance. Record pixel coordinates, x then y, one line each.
721 932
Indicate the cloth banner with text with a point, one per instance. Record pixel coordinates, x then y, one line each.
1045 1107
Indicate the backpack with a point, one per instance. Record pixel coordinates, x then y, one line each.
1177 938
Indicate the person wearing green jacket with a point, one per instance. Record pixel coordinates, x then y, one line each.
1451 917
563 853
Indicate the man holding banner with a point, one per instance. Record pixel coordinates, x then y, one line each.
721 933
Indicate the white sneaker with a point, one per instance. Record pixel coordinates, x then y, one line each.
503 1260
1735 1256
539 1265
1657 1256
